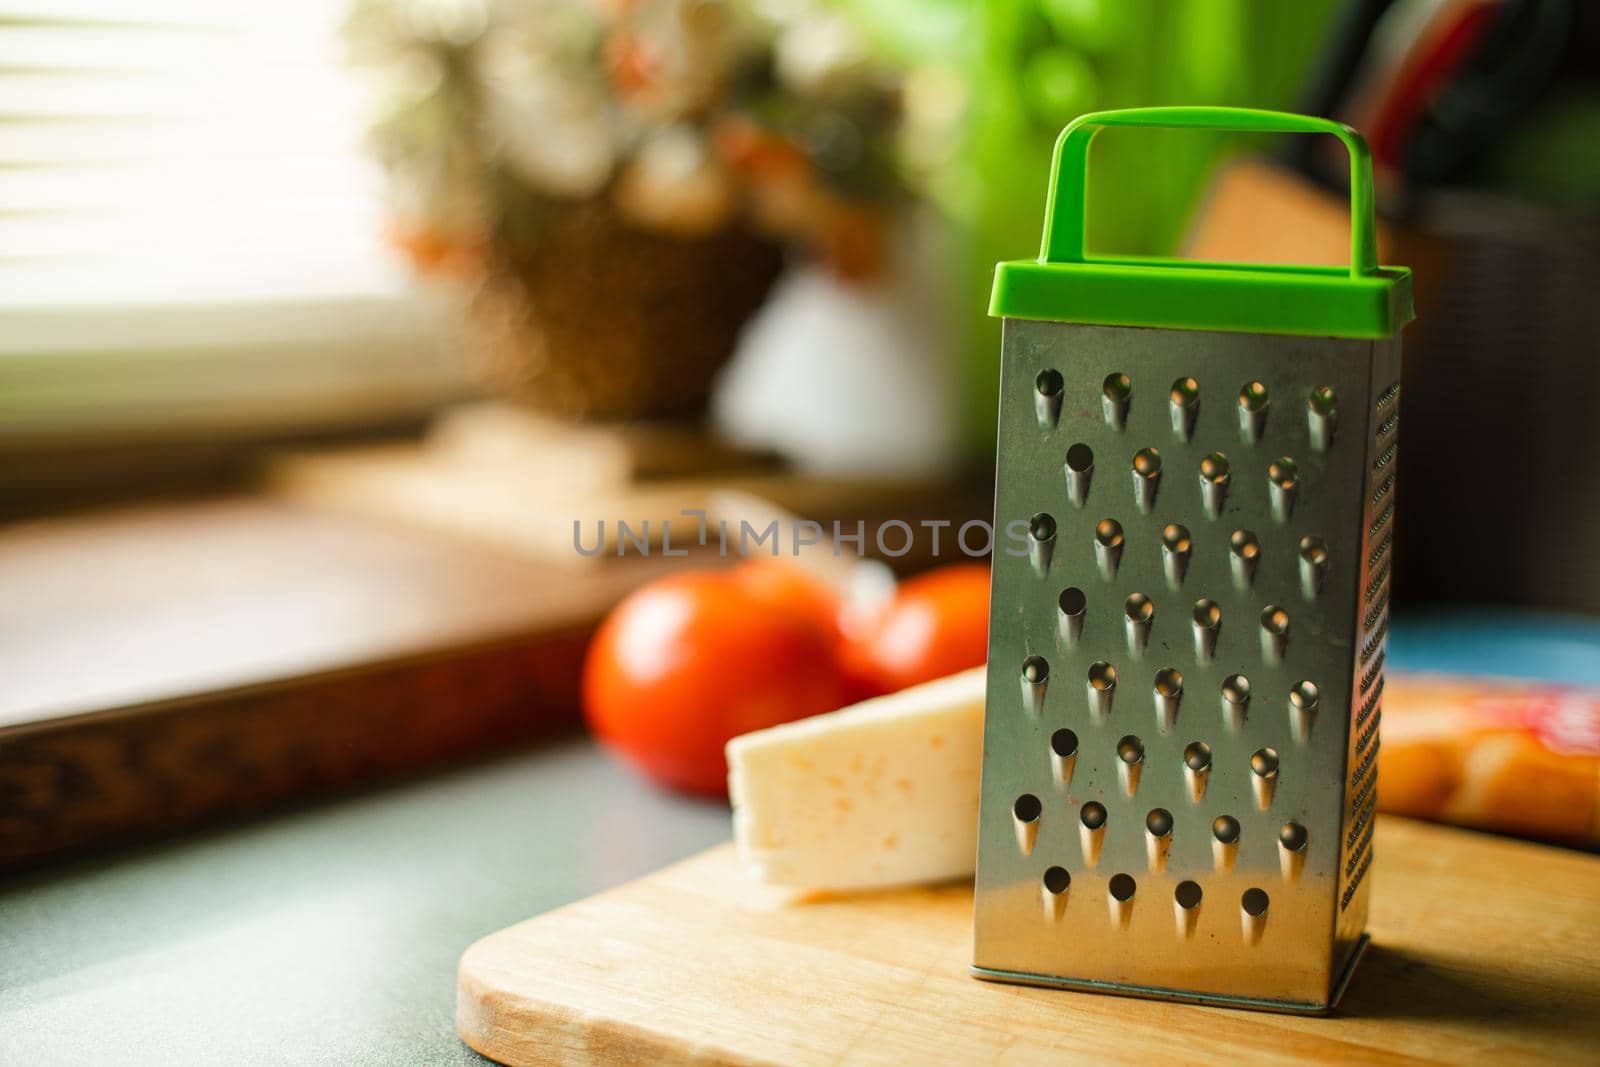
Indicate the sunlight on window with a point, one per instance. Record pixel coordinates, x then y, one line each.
182 151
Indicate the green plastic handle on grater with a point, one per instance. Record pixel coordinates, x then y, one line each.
1064 210
1067 284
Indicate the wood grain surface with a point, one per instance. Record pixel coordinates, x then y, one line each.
1485 951
165 666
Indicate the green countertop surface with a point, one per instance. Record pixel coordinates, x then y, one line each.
325 936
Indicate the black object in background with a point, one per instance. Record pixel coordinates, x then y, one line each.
1499 489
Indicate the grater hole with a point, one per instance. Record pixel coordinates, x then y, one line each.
1383 488
1184 406
1207 616
1048 383
1169 682
1225 828
1253 396
1187 895
1323 401
1108 532
1293 836
1042 527
1378 523
1197 756
1147 462
1244 544
1372 562
1254 902
1139 608
1064 743
1274 620
1102 675
1274 632
1130 750
1355 881
1027 808
1175 539
1304 694
1283 472
1093 815
1314 550
1080 458
1236 689
1264 762
1072 601
1385 457
1214 468
1056 880
1158 822
1117 387
1122 888
1035 669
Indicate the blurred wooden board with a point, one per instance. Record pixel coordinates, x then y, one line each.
551 450
526 512
163 666
389 611
1485 950
518 482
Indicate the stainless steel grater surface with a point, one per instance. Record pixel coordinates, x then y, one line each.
1186 667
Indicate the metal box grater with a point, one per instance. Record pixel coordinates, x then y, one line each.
1195 488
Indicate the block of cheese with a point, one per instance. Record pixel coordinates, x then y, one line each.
882 793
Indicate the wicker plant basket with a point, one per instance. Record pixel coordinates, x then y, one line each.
599 319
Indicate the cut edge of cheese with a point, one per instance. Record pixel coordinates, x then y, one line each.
881 793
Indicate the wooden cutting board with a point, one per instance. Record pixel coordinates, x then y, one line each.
1484 950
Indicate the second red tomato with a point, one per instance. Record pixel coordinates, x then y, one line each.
937 624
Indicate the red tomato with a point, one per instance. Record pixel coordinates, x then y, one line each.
819 602
796 589
692 660
937 624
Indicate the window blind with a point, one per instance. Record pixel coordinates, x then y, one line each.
184 181
181 149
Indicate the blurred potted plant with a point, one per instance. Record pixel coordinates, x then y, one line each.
619 180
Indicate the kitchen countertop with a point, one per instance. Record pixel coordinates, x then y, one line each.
327 936
331 935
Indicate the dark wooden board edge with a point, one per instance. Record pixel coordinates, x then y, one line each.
137 772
